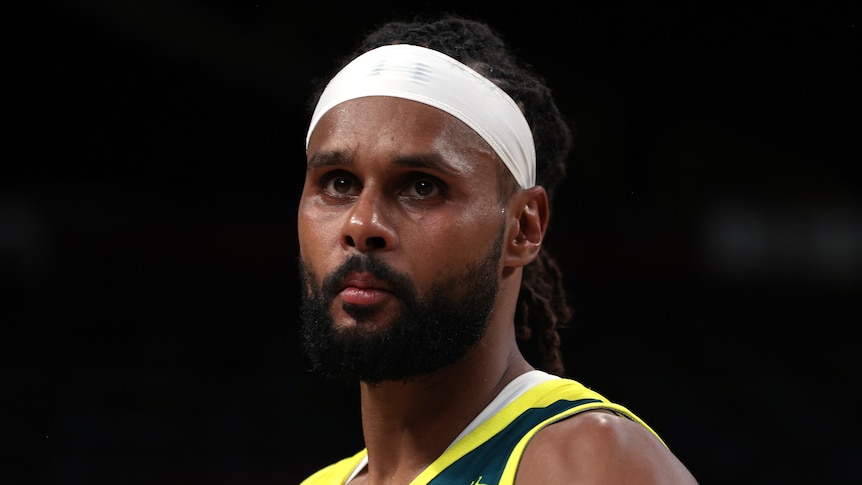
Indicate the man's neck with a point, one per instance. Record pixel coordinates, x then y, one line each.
407 425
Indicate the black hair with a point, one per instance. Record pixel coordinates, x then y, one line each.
542 305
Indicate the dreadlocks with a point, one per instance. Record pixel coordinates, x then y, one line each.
542 306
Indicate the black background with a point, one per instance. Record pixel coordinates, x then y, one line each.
710 232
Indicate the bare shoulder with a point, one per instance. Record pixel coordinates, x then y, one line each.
599 447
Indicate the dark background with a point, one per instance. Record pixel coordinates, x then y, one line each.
710 233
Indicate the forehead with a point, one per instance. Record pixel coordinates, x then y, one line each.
384 126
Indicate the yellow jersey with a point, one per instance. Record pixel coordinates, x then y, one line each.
489 454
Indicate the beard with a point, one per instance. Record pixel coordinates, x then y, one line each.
428 333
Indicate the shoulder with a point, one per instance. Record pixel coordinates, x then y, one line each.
599 447
336 472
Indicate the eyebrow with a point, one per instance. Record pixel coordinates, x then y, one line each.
325 159
429 161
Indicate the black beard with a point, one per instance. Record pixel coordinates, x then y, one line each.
428 334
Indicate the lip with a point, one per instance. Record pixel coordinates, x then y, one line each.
363 289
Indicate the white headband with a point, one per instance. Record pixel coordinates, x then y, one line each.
433 78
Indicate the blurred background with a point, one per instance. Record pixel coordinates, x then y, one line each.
710 231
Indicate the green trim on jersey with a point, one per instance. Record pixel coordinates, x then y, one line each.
489 455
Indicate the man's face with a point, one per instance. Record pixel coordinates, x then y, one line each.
400 230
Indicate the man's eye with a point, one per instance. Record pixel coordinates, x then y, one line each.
422 188
340 186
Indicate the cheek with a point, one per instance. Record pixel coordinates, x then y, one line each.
479 223
483 218
449 245
316 236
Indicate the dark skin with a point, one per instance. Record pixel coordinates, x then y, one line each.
417 186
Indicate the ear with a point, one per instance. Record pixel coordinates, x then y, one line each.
528 218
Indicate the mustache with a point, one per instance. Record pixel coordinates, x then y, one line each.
399 283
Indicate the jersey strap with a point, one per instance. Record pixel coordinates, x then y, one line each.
491 453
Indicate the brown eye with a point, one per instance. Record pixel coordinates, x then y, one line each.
422 188
340 186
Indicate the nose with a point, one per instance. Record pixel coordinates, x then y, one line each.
369 224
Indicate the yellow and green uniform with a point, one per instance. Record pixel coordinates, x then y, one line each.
489 453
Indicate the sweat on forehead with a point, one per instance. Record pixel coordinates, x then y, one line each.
433 78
